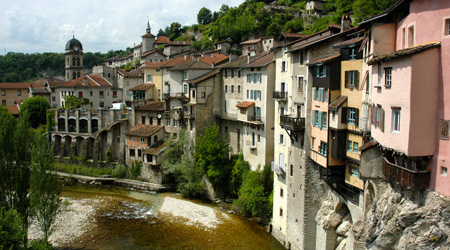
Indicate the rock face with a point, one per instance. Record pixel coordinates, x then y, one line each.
403 219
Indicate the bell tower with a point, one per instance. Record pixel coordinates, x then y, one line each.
73 59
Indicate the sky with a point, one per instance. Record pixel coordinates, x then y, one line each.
31 26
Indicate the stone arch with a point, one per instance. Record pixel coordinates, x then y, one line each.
78 146
61 124
83 125
343 229
72 124
66 146
94 124
57 144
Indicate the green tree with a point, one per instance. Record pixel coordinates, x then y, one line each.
12 233
135 169
253 200
204 16
212 156
273 30
240 168
44 186
363 9
37 108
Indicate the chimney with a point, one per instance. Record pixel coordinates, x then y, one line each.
346 23
212 65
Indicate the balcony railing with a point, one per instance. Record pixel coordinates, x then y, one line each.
292 123
406 177
254 118
278 169
280 95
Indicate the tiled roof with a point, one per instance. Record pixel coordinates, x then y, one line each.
336 26
14 85
155 106
324 59
337 103
155 149
13 109
148 35
163 40
293 35
153 64
404 52
239 62
261 61
251 41
151 52
145 86
368 145
138 46
245 104
143 130
204 77
192 65
52 81
349 42
180 61
213 58
88 81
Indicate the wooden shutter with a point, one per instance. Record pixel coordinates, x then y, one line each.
344 115
347 85
356 117
356 79
382 120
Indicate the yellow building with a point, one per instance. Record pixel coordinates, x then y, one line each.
153 76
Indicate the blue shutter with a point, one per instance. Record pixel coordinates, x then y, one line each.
325 95
313 116
321 95
315 96
319 122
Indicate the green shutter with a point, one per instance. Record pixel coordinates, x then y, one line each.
313 116
319 122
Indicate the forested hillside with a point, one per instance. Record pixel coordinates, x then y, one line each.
251 19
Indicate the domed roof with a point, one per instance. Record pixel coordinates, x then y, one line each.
72 43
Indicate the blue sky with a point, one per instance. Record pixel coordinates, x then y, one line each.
45 26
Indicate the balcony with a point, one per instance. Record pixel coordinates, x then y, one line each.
278 95
292 123
411 179
226 116
279 170
254 118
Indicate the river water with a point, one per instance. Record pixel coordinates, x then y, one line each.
129 219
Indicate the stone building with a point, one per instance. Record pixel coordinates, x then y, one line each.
73 59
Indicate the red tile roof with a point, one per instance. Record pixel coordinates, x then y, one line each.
252 41
14 85
155 149
88 81
213 58
145 86
262 61
148 35
153 64
245 104
163 40
143 130
13 109
337 103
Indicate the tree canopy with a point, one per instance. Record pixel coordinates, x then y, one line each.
37 108
204 16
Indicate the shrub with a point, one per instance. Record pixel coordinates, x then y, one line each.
135 170
120 171
12 234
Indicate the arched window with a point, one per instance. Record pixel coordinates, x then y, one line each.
73 61
78 61
74 75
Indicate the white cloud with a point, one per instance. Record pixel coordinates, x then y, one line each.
46 26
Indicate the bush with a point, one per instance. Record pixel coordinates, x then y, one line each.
120 171
12 234
39 245
240 168
135 170
82 170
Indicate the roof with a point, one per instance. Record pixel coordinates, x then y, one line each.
368 145
204 76
151 52
386 12
155 149
192 65
163 40
40 90
213 58
153 64
155 106
336 26
52 81
251 41
145 86
293 35
88 81
349 42
324 59
143 130
181 43
245 104
239 61
13 109
337 103
262 61
132 73
147 35
72 43
404 52
180 61
14 85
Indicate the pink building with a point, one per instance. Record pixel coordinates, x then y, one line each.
410 88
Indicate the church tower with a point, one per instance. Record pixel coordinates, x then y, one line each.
74 59
148 40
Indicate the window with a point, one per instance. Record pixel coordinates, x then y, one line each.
142 139
3 92
90 93
132 153
185 75
283 66
292 170
313 141
115 93
175 123
203 94
232 89
185 89
324 120
226 88
3 102
321 71
259 138
447 27
411 36
282 139
302 57
379 75
355 147
149 158
127 83
351 116
403 38
351 79
193 93
53 98
167 121
349 146
353 170
443 129
281 192
444 171
131 138
151 121
395 126
300 83
100 93
239 89
353 53
155 139
158 70
323 148
281 212
142 119
388 77
139 152
19 92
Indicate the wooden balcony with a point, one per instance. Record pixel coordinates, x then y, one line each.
292 123
278 95
407 178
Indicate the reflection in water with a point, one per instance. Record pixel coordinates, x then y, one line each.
127 219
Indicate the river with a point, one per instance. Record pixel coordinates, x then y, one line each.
130 219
